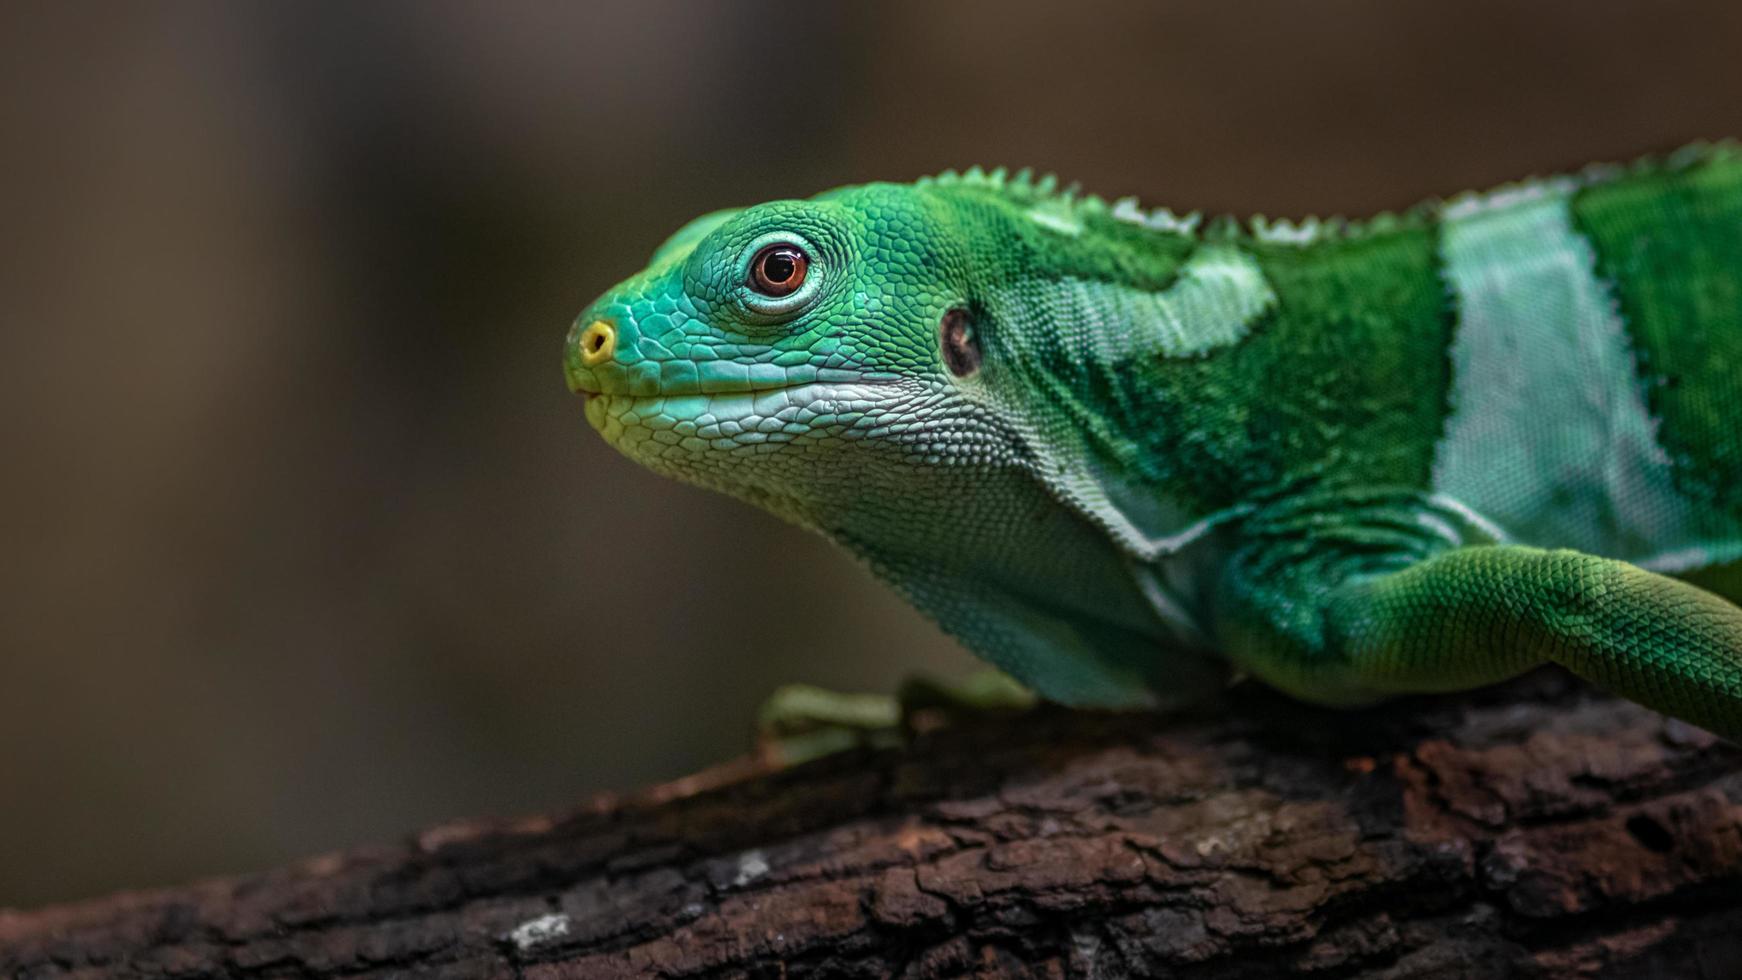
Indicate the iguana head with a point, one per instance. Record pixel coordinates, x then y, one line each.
920 372
877 346
799 354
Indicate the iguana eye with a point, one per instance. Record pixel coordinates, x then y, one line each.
778 270
961 349
780 276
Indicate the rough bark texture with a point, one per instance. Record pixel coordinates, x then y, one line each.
1533 830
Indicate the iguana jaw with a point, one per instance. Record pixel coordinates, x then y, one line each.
707 423
791 450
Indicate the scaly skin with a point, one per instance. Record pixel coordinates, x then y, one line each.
1120 454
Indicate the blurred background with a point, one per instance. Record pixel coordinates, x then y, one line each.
306 545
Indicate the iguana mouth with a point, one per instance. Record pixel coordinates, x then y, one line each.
656 387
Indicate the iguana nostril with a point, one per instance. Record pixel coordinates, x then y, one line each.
598 342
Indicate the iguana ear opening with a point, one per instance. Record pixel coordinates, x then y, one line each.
958 343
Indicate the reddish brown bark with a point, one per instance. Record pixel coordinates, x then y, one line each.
1535 830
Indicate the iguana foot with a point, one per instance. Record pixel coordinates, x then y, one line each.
800 722
928 703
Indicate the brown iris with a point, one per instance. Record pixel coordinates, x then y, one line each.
778 270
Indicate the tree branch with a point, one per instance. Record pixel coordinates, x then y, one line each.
1536 829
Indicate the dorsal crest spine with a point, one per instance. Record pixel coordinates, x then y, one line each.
1058 205
1064 208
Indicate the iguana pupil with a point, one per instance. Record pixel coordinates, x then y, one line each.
778 270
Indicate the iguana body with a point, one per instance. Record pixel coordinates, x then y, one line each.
1122 454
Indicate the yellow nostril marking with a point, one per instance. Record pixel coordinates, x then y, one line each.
598 342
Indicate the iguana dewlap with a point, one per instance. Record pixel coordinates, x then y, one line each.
1123 453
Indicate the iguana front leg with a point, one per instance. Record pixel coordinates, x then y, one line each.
1475 615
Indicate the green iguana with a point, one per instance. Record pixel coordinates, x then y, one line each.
1125 454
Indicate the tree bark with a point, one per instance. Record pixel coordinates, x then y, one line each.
1536 829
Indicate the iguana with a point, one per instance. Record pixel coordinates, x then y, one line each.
1125 454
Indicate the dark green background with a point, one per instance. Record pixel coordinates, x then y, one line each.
306 545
